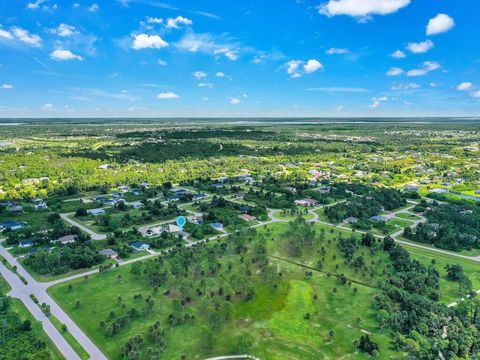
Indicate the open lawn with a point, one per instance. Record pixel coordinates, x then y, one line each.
275 317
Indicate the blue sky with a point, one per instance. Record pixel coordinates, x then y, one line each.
239 58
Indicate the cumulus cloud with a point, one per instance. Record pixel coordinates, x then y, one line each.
406 86
145 41
167 95
25 37
64 55
6 86
199 75
311 66
440 24
154 20
65 30
93 8
398 54
475 94
337 51
361 9
220 74
4 34
173 23
234 101
465 86
162 62
420 47
209 44
395 71
427 66
34 5
296 68
377 102
47 107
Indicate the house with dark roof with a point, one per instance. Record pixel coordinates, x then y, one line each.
12 225
217 226
25 243
139 246
96 212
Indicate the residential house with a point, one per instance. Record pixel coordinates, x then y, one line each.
136 192
137 204
67 239
15 209
217 226
199 196
306 202
123 188
194 219
147 231
247 217
439 191
109 253
323 190
350 220
139 246
96 212
12 225
379 218
25 243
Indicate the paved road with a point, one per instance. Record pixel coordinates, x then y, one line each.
21 291
92 234
38 289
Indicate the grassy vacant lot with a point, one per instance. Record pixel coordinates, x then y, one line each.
274 318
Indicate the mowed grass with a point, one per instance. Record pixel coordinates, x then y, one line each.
289 217
275 317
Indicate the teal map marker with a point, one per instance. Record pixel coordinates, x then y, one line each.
181 221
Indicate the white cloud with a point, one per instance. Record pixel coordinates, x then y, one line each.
65 30
145 41
434 84
337 51
34 5
6 86
209 44
234 101
440 24
25 37
4 34
293 68
64 55
475 94
220 74
362 9
395 71
339 89
465 86
377 101
296 68
229 54
154 20
173 23
205 85
76 5
47 107
311 66
398 54
93 8
162 62
199 74
167 95
420 47
406 86
427 66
